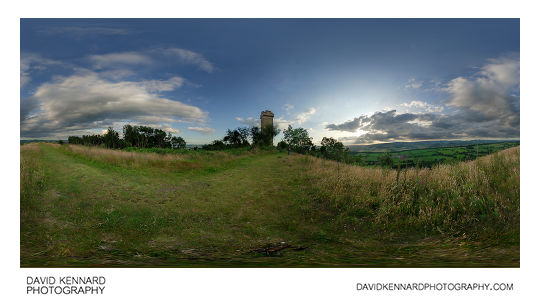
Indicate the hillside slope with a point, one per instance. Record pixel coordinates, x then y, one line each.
95 207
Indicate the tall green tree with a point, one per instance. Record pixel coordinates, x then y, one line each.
134 136
333 149
111 139
238 137
93 140
75 140
263 137
131 136
386 160
298 139
177 142
215 145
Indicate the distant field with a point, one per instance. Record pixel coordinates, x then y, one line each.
428 157
403 146
93 207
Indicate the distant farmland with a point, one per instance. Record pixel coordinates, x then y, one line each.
428 157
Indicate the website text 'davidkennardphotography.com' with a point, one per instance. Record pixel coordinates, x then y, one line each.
435 286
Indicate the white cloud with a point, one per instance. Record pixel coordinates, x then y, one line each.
163 126
115 74
420 122
485 105
489 93
282 124
288 107
190 57
33 62
83 31
163 85
304 116
181 55
502 72
88 101
204 130
111 93
171 130
25 78
153 119
413 83
250 121
116 59
418 106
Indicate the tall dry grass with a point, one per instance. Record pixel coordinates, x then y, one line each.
170 162
32 185
457 199
32 175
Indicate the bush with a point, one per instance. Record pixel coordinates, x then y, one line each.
264 137
298 139
282 145
215 145
386 160
237 137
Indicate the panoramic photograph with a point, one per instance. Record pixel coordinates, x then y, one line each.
270 143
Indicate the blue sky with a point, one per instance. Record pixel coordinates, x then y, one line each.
358 80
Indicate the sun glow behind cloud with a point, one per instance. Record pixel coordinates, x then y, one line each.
479 106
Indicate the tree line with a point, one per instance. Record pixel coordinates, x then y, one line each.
244 137
133 136
298 140
294 139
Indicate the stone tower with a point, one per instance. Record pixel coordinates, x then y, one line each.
267 124
267 119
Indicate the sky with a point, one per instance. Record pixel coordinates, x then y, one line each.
360 81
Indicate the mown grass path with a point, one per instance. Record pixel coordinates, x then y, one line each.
103 214
86 212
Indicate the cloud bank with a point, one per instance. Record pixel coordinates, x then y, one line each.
118 59
190 57
412 83
152 56
88 101
107 92
204 130
33 62
80 31
485 105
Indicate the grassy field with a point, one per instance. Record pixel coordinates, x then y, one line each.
94 207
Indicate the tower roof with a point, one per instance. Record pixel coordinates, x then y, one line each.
267 113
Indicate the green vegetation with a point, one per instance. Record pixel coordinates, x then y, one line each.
263 137
429 157
403 146
133 136
298 139
89 206
158 141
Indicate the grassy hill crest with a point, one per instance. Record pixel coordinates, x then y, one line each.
87 206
